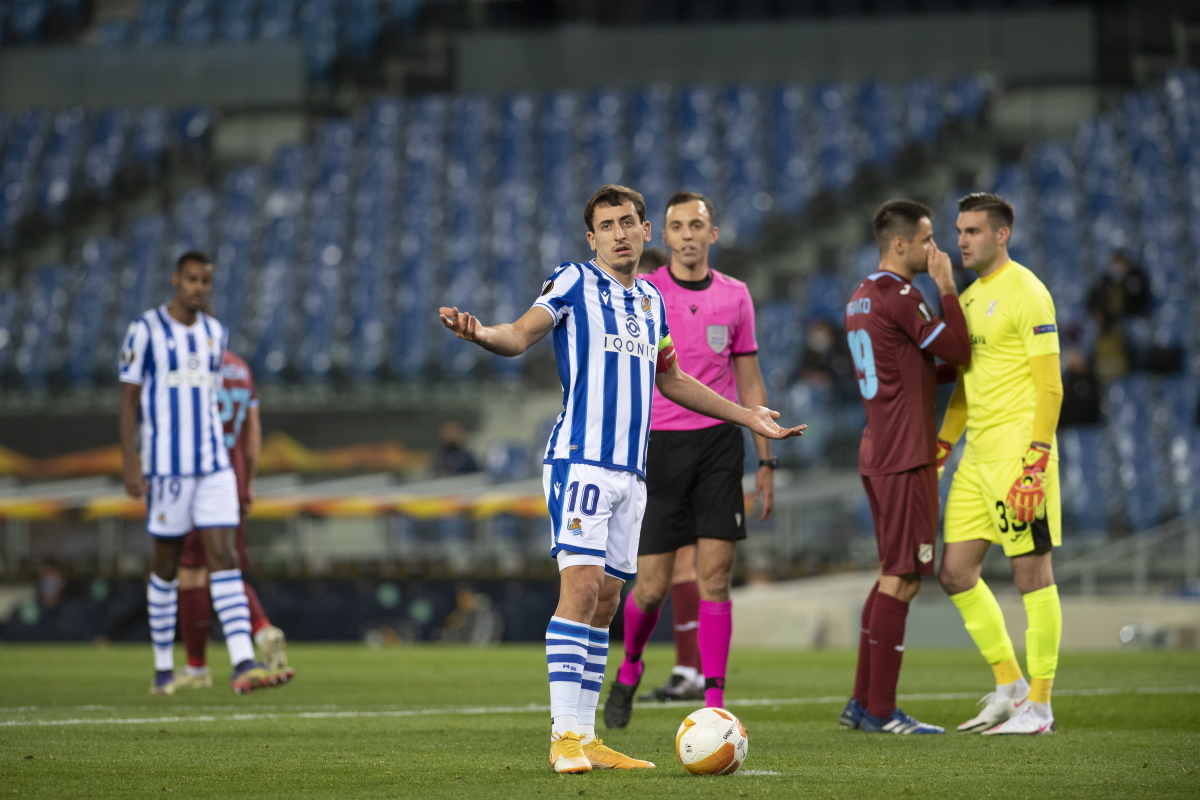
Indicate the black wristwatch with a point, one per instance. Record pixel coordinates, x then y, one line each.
773 463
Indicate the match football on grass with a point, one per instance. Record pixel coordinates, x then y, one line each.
503 398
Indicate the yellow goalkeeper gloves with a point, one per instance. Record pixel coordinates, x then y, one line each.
943 452
1027 497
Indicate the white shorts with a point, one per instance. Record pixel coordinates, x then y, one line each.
595 516
176 505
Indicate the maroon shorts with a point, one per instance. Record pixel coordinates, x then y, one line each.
193 550
904 506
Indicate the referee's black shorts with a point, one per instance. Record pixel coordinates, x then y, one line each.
693 488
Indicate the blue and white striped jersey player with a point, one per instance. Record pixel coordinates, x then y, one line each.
612 344
170 371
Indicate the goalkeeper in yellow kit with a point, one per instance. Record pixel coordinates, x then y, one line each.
1006 488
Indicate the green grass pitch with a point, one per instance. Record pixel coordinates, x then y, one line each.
428 721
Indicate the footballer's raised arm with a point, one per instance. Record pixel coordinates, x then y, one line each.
505 339
679 387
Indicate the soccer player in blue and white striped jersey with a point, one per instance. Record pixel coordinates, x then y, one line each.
612 344
170 371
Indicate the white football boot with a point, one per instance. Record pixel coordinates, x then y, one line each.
1028 721
272 646
997 708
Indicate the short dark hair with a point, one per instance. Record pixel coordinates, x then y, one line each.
999 210
192 255
652 258
613 194
691 197
898 218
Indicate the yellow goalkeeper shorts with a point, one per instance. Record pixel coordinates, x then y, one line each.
976 508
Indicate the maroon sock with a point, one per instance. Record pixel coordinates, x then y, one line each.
862 675
887 651
685 615
195 618
258 617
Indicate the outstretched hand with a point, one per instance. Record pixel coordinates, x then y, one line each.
762 422
461 323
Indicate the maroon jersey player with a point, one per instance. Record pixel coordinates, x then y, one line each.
243 437
894 337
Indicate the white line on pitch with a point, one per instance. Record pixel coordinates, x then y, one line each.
536 708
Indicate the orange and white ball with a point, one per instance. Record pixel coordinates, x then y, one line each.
711 741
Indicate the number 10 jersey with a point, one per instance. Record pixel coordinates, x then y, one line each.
893 338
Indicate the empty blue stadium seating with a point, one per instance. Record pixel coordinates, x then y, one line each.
650 123
143 283
879 116
837 158
94 293
26 141
923 110
236 20
156 22
1085 478
789 157
60 168
605 150
44 320
113 33
780 337
319 32
196 22
150 139
10 305
1142 476
744 201
106 151
26 18
277 20
1012 183
362 22
699 170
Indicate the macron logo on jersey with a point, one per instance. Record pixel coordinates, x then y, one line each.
630 347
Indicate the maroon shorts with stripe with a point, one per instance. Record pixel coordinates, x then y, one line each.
904 506
193 550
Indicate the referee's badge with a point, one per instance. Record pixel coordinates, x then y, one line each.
718 337
925 553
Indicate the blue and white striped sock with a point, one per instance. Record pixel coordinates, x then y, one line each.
229 600
566 655
593 681
162 601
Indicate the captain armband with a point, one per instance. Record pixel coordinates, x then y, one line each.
666 354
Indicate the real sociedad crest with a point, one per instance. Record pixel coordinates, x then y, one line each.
646 304
718 337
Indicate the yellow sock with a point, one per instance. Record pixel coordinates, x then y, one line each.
1007 671
985 622
1042 640
1039 689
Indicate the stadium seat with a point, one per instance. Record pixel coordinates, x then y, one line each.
236 21
837 158
1086 479
789 158
113 33
605 150
1142 476
143 279
150 139
196 22
879 119
319 31
106 151
194 127
26 141
60 168
923 110
45 305
26 18
779 341
10 308
650 128
699 170
277 20
745 201
156 22
94 293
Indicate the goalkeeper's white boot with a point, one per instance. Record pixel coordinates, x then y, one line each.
997 708
1032 719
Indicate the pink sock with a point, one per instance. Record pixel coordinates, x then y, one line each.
714 633
639 626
